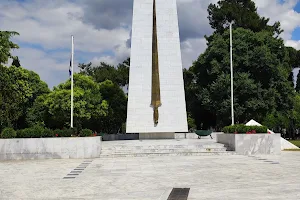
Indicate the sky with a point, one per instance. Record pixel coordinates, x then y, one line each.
101 29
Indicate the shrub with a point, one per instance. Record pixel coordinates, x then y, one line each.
58 133
24 133
32 132
48 133
86 133
242 129
8 133
37 131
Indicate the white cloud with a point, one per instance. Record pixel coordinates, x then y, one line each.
49 24
284 13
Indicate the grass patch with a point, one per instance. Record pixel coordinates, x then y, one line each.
291 150
295 142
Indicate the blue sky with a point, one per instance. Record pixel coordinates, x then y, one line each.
102 30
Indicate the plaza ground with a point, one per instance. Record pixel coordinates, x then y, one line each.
224 177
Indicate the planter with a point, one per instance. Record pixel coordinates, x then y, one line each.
49 148
250 144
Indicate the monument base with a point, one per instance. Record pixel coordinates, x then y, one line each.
145 136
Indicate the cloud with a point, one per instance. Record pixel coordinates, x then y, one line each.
102 30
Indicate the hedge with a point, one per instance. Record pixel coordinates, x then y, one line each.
8 133
41 132
242 129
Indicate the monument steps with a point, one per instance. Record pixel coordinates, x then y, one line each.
168 154
156 148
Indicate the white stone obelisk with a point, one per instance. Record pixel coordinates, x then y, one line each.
172 112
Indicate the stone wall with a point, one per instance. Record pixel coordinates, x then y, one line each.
47 148
250 144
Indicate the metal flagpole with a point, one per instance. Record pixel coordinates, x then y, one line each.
231 70
72 65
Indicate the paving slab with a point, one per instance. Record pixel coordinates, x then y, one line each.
208 177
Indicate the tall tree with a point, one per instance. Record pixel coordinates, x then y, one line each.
53 109
18 90
6 45
298 83
16 62
242 12
104 71
261 73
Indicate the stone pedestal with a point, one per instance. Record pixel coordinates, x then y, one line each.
250 144
145 136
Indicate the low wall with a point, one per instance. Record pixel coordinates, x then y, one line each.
250 144
48 148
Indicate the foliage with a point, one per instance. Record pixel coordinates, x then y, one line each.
53 109
261 83
18 90
6 45
191 122
41 132
8 133
103 72
117 109
16 62
86 133
241 129
32 132
242 12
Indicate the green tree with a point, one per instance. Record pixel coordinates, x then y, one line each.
261 71
18 90
103 72
16 62
53 109
117 110
6 45
242 12
298 83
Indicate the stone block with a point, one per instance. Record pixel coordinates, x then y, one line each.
47 148
252 144
145 136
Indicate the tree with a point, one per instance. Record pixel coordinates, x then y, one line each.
298 83
18 90
6 45
16 62
53 109
242 12
261 71
103 72
117 110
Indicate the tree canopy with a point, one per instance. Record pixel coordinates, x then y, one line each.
242 12
6 45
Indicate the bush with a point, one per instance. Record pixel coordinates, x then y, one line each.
86 133
24 133
242 129
48 133
8 133
33 132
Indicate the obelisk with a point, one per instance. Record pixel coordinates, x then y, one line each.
156 98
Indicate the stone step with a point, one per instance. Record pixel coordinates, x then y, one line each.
164 150
169 154
125 147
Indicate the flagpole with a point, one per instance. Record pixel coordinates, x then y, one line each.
72 94
231 77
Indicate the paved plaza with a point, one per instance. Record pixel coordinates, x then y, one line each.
208 177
